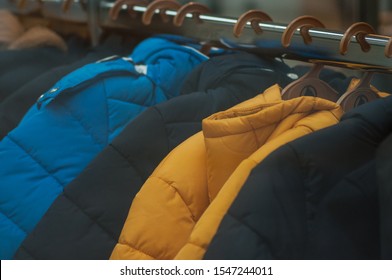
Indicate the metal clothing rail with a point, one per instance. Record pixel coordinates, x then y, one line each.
219 30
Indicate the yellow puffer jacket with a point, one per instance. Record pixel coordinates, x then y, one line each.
172 201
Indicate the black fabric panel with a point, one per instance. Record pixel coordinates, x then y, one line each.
19 67
348 219
384 179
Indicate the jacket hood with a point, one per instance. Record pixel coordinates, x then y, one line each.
148 50
163 62
234 135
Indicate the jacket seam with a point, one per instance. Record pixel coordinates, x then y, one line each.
88 216
13 222
353 184
42 166
250 228
127 102
36 160
177 192
197 245
26 251
85 128
255 134
108 132
303 171
165 127
131 247
128 160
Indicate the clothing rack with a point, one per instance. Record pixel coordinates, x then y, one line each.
219 31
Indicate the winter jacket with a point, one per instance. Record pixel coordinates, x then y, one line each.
314 198
173 200
383 165
15 106
18 67
85 221
74 121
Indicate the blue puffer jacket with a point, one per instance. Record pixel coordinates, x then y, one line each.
73 122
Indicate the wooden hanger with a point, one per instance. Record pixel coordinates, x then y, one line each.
255 17
195 9
363 92
310 83
162 6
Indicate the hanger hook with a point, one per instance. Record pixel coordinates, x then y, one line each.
304 23
196 9
66 5
388 48
359 30
22 3
362 93
252 16
162 6
115 10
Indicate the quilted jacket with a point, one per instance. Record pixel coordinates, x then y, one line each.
383 165
173 200
85 221
72 122
314 198
18 67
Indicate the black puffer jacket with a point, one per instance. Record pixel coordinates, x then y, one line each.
384 179
18 67
13 108
314 198
86 220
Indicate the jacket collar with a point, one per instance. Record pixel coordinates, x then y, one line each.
234 135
